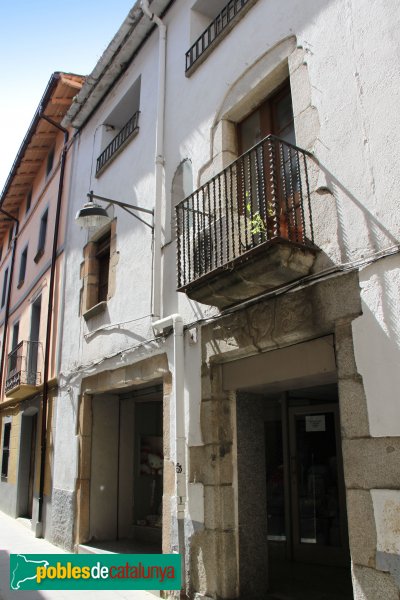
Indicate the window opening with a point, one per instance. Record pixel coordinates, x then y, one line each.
28 202
119 127
22 267
103 261
50 162
6 450
4 293
10 235
42 235
209 21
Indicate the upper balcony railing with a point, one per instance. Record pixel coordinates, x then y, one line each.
23 364
214 30
260 198
118 142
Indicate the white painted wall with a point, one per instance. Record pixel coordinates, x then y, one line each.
351 50
377 341
336 36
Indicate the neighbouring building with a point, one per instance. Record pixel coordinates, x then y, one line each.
32 240
228 384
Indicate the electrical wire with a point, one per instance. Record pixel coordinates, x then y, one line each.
303 283
111 325
297 285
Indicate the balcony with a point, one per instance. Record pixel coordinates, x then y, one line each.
23 377
118 143
249 229
222 23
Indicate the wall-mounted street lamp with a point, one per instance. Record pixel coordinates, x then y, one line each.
93 215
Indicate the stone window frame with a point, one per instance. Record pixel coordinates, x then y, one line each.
90 305
285 61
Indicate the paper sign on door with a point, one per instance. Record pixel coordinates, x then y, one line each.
315 423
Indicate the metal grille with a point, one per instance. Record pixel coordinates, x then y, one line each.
118 141
262 196
23 365
220 23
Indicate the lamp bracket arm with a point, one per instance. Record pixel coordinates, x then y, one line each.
136 216
122 204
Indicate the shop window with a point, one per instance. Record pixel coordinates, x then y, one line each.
6 450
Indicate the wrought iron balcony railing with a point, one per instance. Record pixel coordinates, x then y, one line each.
214 30
260 198
117 143
23 364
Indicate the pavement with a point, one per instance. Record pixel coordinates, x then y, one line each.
16 538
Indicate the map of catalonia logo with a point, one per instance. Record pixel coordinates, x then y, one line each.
24 570
95 571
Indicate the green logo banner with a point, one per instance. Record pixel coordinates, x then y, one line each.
95 572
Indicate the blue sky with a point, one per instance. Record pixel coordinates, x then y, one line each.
38 37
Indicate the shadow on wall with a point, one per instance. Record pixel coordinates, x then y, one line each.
378 234
377 345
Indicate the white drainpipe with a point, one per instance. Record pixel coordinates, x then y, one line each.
159 162
175 321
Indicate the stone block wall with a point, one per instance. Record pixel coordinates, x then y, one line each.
370 464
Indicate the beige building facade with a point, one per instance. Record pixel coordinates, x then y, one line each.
32 213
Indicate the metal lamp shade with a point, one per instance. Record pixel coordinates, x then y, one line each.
92 215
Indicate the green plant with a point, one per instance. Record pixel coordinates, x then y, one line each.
256 222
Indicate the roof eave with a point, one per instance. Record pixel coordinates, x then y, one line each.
44 102
113 63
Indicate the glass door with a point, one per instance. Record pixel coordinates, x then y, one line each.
318 510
